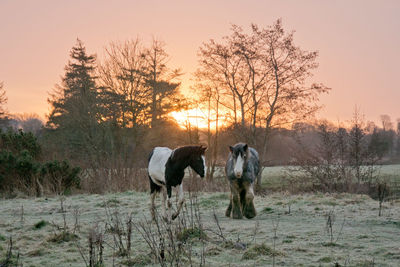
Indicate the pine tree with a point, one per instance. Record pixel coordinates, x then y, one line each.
165 96
75 103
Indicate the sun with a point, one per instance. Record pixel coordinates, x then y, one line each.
201 119
190 118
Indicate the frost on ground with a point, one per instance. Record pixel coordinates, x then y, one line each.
309 230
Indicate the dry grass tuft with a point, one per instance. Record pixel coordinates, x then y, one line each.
257 250
191 233
62 237
138 260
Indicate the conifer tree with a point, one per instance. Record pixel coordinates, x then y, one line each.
75 103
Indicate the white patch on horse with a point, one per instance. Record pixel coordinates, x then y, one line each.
204 164
157 165
180 193
238 169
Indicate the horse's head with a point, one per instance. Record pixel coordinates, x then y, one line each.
240 153
197 161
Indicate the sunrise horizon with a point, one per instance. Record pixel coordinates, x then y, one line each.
36 51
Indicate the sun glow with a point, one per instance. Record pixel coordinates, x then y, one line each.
201 119
190 118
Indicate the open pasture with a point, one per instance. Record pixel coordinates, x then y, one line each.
301 224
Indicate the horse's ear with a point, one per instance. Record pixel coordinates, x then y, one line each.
203 148
245 147
231 148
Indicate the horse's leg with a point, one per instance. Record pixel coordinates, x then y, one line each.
242 197
181 200
154 189
164 197
249 211
235 199
169 203
229 209
153 206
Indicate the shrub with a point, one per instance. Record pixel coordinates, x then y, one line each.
15 142
40 224
21 169
191 233
17 171
60 176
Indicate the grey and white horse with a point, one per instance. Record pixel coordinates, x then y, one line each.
166 170
241 169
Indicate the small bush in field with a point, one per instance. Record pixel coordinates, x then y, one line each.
62 237
268 210
61 176
40 224
325 259
191 233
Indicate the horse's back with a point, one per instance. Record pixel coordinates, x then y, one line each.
158 159
255 161
254 153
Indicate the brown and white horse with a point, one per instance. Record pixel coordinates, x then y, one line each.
166 170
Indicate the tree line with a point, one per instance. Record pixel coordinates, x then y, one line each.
345 159
118 107
106 115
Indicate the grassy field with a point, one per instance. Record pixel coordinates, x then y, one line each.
274 177
358 237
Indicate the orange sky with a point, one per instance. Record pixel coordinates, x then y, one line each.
358 42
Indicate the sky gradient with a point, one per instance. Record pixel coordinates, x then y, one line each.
358 43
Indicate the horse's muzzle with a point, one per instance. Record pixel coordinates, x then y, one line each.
238 175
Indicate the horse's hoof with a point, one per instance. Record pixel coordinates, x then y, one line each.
250 216
249 212
237 216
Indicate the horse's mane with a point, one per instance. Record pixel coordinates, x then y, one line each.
183 152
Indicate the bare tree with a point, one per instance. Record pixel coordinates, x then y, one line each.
208 86
3 102
262 78
3 99
387 124
122 73
29 122
398 138
388 134
288 97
